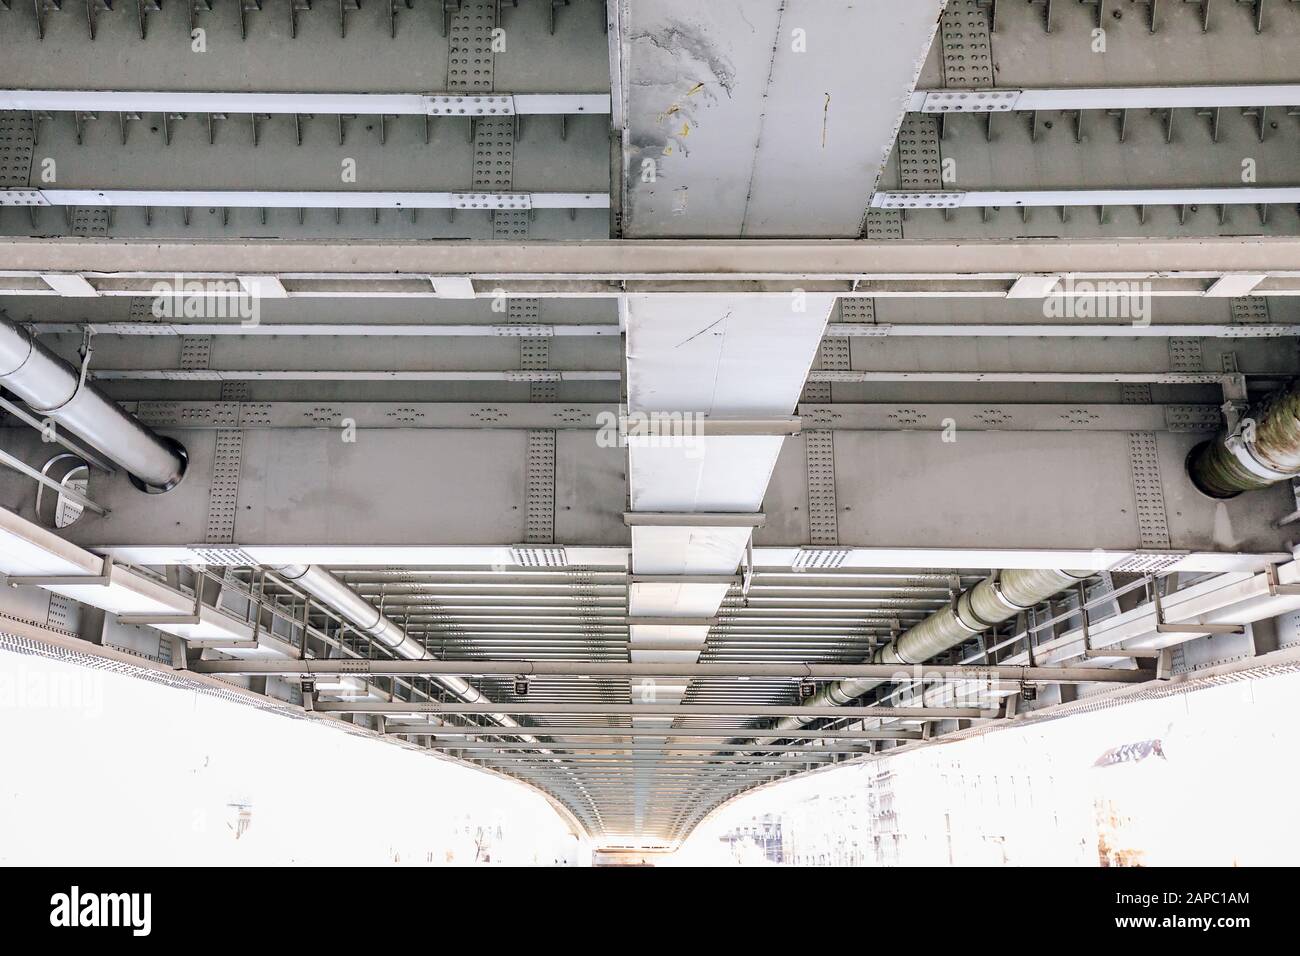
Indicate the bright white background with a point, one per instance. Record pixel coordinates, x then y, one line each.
98 768
1222 795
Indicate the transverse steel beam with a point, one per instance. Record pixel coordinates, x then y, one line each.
346 104
933 672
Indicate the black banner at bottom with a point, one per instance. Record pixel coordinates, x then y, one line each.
346 906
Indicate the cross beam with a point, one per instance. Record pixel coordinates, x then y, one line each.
614 268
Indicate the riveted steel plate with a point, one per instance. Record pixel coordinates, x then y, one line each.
903 200
89 221
1185 354
883 224
61 612
1144 461
834 352
470 60
1249 309
532 376
188 414
540 487
196 351
234 391
919 165
965 44
1136 394
819 446
491 201
534 352
224 495
861 309
22 197
1192 418
17 142
470 105
974 101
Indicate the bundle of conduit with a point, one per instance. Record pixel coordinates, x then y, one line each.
997 598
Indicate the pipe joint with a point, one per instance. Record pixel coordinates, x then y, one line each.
183 459
966 616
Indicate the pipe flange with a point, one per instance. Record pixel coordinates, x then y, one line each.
1243 453
965 615
1243 456
181 453
1010 605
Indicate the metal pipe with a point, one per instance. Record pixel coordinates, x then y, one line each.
57 390
369 620
1263 449
993 600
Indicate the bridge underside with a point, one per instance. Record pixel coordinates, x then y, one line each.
650 400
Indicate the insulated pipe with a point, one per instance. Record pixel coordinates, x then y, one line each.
1263 450
369 620
993 600
54 388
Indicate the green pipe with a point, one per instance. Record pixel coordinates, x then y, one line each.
1263 450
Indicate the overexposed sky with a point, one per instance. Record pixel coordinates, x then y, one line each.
101 768
1030 795
97 768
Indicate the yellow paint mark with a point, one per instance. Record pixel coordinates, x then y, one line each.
667 113
695 89
686 130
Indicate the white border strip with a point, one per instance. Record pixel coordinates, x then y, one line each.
339 329
997 100
346 104
955 199
305 199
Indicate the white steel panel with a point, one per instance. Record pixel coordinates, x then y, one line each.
674 600
1234 285
69 284
1033 287
304 199
1034 330
725 356
687 550
328 104
257 286
765 118
1106 98
951 199
712 474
